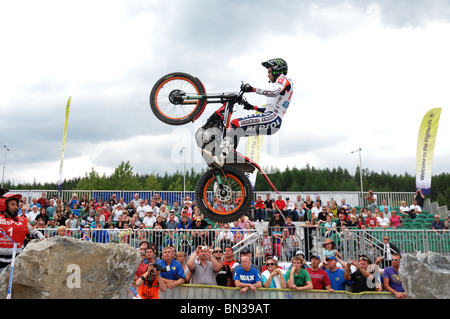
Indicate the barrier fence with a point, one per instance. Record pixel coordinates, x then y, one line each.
182 239
350 242
189 291
353 198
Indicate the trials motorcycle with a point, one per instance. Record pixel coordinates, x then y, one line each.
180 98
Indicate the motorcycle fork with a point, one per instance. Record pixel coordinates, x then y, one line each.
218 174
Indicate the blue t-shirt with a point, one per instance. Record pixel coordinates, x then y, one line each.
394 279
175 270
247 277
276 240
337 279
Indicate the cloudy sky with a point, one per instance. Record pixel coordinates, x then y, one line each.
365 73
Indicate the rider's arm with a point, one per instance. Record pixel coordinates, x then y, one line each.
278 87
34 233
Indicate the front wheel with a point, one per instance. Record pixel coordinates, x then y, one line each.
237 191
168 104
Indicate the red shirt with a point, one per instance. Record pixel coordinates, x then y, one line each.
371 222
41 201
319 278
259 204
280 204
142 269
105 212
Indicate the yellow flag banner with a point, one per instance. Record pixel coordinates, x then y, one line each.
425 149
64 142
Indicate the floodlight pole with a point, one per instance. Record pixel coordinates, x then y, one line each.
360 172
4 164
183 150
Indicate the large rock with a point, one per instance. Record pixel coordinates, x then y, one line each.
425 275
68 268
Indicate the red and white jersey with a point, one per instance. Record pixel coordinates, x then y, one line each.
279 95
16 229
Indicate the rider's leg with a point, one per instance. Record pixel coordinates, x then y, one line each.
257 124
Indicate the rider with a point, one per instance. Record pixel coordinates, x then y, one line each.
14 226
269 117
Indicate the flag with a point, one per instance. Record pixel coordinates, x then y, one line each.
64 142
425 149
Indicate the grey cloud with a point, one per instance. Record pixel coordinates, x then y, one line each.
198 37
403 13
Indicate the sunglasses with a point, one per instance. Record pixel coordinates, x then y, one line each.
395 259
271 264
217 251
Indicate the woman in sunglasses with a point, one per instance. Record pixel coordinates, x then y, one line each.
273 277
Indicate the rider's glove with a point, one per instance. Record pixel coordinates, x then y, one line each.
248 106
247 88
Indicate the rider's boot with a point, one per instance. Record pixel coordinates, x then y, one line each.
223 150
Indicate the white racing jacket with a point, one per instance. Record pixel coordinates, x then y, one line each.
278 96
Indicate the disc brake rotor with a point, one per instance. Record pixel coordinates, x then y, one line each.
224 194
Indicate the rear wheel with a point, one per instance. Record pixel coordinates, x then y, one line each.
236 188
166 99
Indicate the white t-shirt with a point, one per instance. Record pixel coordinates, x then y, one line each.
149 221
404 209
383 221
32 215
315 211
117 213
142 211
290 206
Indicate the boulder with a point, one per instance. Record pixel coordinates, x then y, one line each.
68 268
425 276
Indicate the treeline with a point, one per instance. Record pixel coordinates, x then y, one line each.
308 178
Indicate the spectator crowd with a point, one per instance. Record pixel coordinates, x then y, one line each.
185 247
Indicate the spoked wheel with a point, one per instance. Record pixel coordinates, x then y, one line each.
168 104
236 188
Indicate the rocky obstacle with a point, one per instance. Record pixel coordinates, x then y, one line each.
68 268
425 276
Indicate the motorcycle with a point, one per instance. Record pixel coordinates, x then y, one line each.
180 98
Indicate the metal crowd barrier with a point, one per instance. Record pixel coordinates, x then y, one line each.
105 195
188 239
353 242
182 239
350 243
352 198
189 291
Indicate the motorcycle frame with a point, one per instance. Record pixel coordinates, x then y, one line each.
228 100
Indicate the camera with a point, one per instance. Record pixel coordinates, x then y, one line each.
157 267
350 262
204 248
